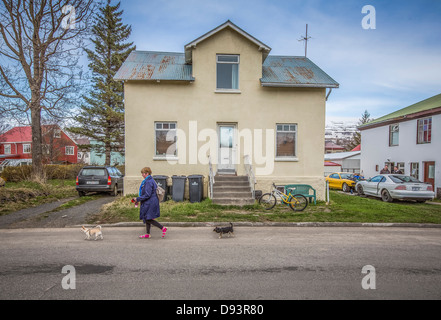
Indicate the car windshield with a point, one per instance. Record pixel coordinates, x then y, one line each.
347 176
401 179
93 172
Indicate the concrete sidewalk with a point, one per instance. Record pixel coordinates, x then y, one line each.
274 224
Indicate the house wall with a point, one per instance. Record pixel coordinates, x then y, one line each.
198 108
57 151
376 149
16 151
96 158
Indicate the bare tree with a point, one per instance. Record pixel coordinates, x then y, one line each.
39 51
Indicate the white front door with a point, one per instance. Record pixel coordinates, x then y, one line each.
227 148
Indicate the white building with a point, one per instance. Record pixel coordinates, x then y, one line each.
348 161
409 138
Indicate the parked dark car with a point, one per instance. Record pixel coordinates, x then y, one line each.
99 179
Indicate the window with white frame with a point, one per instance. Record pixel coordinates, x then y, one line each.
286 136
424 134
70 151
400 166
7 149
415 169
227 72
57 133
26 148
394 131
165 139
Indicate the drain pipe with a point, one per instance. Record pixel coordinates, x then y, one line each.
329 92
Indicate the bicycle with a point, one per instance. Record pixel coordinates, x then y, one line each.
296 202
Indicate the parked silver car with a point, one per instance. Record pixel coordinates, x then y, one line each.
395 186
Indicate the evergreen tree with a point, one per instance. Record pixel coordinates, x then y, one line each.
101 117
356 139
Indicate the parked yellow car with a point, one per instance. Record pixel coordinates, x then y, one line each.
341 180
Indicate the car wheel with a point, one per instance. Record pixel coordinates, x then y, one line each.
385 196
345 187
360 190
81 193
114 191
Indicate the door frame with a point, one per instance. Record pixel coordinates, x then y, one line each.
233 163
426 179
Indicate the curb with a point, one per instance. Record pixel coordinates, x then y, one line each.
277 224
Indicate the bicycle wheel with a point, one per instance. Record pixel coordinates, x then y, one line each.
267 200
298 202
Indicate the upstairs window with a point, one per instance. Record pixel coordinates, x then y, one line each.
227 72
424 134
69 151
394 131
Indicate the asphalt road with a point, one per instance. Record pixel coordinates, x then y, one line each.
191 263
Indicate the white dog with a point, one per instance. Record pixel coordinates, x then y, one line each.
93 231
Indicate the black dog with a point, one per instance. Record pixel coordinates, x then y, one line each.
223 230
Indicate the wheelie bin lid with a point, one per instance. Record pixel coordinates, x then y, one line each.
159 177
195 176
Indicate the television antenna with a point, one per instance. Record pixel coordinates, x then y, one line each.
305 38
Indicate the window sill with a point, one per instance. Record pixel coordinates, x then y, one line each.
166 158
287 159
227 91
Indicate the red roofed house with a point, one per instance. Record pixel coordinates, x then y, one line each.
331 147
357 148
58 147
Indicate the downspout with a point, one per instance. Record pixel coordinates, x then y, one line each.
329 92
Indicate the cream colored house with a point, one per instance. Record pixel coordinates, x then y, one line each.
225 103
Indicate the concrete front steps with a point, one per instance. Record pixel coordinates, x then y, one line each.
232 190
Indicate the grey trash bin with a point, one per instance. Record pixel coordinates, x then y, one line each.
196 187
178 188
162 182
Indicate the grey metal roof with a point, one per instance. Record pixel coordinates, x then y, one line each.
150 65
291 71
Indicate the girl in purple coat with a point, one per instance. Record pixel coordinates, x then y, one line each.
149 203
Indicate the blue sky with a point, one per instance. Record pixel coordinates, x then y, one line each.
380 70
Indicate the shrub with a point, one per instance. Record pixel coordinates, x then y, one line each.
52 171
17 174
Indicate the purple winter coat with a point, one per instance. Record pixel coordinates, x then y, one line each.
149 200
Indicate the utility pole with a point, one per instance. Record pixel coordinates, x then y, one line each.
305 38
